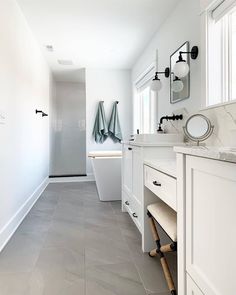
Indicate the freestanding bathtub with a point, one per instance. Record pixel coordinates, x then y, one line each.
107 172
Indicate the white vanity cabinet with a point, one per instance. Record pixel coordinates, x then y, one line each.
206 225
132 165
132 183
133 178
127 169
137 175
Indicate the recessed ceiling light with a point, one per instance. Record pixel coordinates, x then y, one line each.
65 62
49 48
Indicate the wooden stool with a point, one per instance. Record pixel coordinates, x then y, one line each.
167 219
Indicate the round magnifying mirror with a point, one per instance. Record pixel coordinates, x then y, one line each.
198 128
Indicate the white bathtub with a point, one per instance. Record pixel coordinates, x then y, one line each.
107 172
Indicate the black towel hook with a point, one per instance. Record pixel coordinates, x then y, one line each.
41 112
37 111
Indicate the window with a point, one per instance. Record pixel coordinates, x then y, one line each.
222 53
145 111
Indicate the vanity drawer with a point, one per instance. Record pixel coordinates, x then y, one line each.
134 209
162 185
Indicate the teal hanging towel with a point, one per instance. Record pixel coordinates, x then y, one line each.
114 125
100 130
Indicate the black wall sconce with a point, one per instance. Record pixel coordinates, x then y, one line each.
181 68
41 112
156 84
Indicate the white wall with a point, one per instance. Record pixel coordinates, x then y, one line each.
109 86
183 24
68 129
24 86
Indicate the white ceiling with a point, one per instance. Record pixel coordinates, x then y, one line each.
95 33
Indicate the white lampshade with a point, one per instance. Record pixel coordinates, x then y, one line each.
177 86
181 69
156 85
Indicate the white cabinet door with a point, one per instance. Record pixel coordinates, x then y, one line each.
127 169
192 288
137 174
210 224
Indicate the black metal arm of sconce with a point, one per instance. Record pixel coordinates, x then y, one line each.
41 112
193 53
166 73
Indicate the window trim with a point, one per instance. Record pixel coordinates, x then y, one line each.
206 17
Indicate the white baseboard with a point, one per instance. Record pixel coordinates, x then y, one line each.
89 177
9 229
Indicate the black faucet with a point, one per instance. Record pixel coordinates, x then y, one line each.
168 118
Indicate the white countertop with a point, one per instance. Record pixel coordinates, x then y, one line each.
104 154
152 144
217 153
167 166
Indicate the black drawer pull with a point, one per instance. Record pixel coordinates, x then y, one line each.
156 183
130 149
135 215
127 203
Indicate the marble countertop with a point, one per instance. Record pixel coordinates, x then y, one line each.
151 144
167 166
226 154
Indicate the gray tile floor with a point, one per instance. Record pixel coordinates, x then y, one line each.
72 244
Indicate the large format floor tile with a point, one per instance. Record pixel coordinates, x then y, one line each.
21 253
72 244
122 279
15 283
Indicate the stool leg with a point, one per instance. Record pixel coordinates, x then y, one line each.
153 228
156 251
168 275
169 248
153 253
155 235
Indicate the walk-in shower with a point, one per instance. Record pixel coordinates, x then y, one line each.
68 128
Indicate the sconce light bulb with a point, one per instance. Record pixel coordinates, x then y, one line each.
181 69
177 85
156 85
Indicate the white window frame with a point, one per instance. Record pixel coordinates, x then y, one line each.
142 82
206 19
141 107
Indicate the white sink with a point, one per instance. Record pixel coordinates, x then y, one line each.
159 138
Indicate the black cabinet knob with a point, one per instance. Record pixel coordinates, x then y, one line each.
130 149
127 203
135 215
